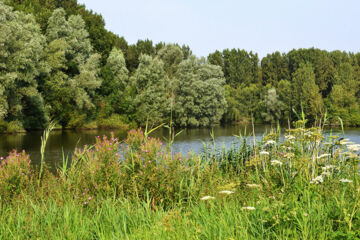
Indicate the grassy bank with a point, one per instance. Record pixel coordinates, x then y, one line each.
305 187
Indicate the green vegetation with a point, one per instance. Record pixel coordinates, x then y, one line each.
58 62
305 187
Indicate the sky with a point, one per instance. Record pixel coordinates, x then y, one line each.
262 26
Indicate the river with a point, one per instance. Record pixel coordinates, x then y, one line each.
189 140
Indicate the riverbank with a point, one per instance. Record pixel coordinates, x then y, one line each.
306 187
115 121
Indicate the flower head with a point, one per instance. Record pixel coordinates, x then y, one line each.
317 180
345 181
276 162
264 153
248 208
226 192
323 155
270 142
206 198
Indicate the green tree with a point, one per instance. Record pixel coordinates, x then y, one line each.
171 55
200 97
343 95
241 67
21 44
151 97
306 93
74 68
275 67
273 106
115 82
216 58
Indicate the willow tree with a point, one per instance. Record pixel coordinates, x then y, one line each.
171 55
199 94
152 99
273 106
115 82
70 86
21 44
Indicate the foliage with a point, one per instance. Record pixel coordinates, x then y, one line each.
59 62
304 187
151 100
273 106
200 96
15 174
21 47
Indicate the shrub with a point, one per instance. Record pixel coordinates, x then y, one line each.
3 126
15 127
96 170
15 174
115 121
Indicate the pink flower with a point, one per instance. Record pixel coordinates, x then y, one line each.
86 203
161 143
90 198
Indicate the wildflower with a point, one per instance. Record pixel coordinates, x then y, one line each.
270 142
289 137
317 180
345 181
90 198
86 203
324 155
328 167
327 174
264 153
226 192
276 162
345 142
253 185
206 198
354 147
248 208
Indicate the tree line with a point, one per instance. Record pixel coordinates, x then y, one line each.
58 62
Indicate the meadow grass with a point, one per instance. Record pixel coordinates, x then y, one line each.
305 186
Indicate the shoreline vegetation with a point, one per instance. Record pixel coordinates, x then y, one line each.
304 187
79 74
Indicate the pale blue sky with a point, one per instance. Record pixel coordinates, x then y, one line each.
262 26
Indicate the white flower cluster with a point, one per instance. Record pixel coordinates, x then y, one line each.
354 147
345 181
323 155
276 162
264 153
207 198
270 142
317 180
248 208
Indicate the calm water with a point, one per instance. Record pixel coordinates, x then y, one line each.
188 140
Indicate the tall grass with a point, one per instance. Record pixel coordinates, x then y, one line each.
303 187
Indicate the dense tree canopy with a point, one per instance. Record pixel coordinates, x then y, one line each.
57 61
